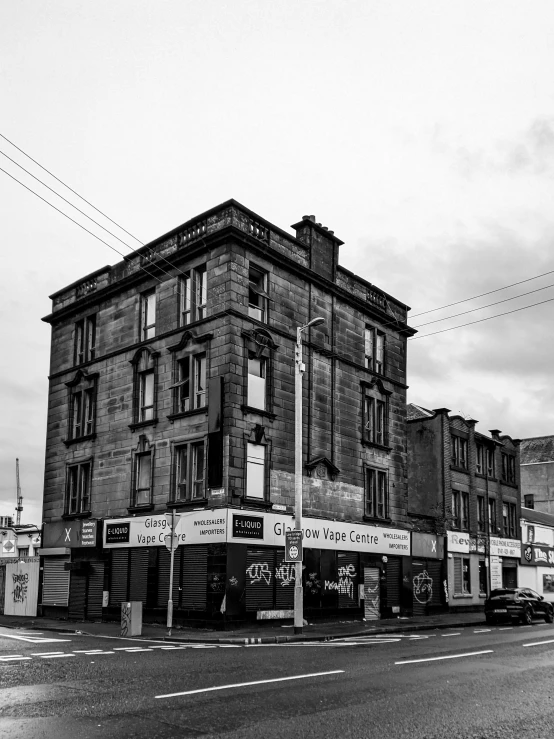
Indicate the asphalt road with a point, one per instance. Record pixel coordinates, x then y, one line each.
466 683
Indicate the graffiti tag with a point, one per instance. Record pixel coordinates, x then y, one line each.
423 588
258 571
20 587
286 573
344 585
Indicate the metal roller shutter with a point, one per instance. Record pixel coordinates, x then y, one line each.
119 575
284 582
348 577
260 569
77 596
434 568
457 561
138 580
393 582
95 588
55 583
420 588
194 577
164 559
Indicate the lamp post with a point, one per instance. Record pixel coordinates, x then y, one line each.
298 373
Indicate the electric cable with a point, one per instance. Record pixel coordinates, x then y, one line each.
471 323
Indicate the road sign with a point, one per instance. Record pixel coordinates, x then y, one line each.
168 543
293 546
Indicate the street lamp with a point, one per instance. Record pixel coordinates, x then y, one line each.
298 372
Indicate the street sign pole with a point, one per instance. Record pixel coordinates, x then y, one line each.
171 556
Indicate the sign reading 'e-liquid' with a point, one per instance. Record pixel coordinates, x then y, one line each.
248 527
118 532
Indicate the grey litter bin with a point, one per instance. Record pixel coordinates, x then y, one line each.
131 618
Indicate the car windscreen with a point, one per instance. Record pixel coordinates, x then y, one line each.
496 593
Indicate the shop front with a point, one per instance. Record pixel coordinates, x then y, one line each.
467 570
229 565
505 555
72 565
537 570
428 574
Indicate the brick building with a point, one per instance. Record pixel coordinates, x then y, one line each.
172 389
465 485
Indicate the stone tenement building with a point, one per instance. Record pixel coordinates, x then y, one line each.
467 485
172 389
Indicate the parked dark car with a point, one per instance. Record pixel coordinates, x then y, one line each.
517 604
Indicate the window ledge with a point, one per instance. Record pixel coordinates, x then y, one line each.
143 424
77 439
256 502
376 519
509 484
485 477
459 468
186 414
141 508
259 411
68 516
187 503
375 445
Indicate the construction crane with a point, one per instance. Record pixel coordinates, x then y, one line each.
19 506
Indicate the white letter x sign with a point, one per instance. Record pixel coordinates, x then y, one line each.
67 533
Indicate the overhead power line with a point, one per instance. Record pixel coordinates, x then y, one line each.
482 307
453 328
69 188
482 295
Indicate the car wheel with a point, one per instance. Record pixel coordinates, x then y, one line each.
490 620
549 616
527 616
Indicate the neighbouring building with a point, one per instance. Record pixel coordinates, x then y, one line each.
537 552
537 473
19 567
172 390
465 486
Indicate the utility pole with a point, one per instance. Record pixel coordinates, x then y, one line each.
19 506
171 544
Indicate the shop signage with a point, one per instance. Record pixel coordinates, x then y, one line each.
496 573
427 546
248 527
505 547
535 554
458 541
72 534
266 528
117 533
196 527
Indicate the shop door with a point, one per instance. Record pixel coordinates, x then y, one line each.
77 596
194 577
95 590
393 577
509 577
55 582
372 599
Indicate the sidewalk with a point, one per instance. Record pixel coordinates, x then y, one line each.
256 633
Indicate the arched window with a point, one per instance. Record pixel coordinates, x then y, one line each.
375 413
81 407
189 374
259 352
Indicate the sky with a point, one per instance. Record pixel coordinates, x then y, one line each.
422 133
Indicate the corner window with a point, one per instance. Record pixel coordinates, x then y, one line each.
462 576
78 488
460 509
257 294
255 471
376 494
257 372
185 300
374 343
190 388
200 291
508 468
375 420
189 472
458 451
85 340
148 315
142 473
146 396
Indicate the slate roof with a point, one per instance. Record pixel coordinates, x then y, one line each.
537 449
529 514
416 412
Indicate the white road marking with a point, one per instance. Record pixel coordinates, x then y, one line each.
505 628
227 646
32 639
44 654
135 639
97 654
455 633
87 651
171 648
56 656
213 646
480 631
255 682
449 656
14 658
538 643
